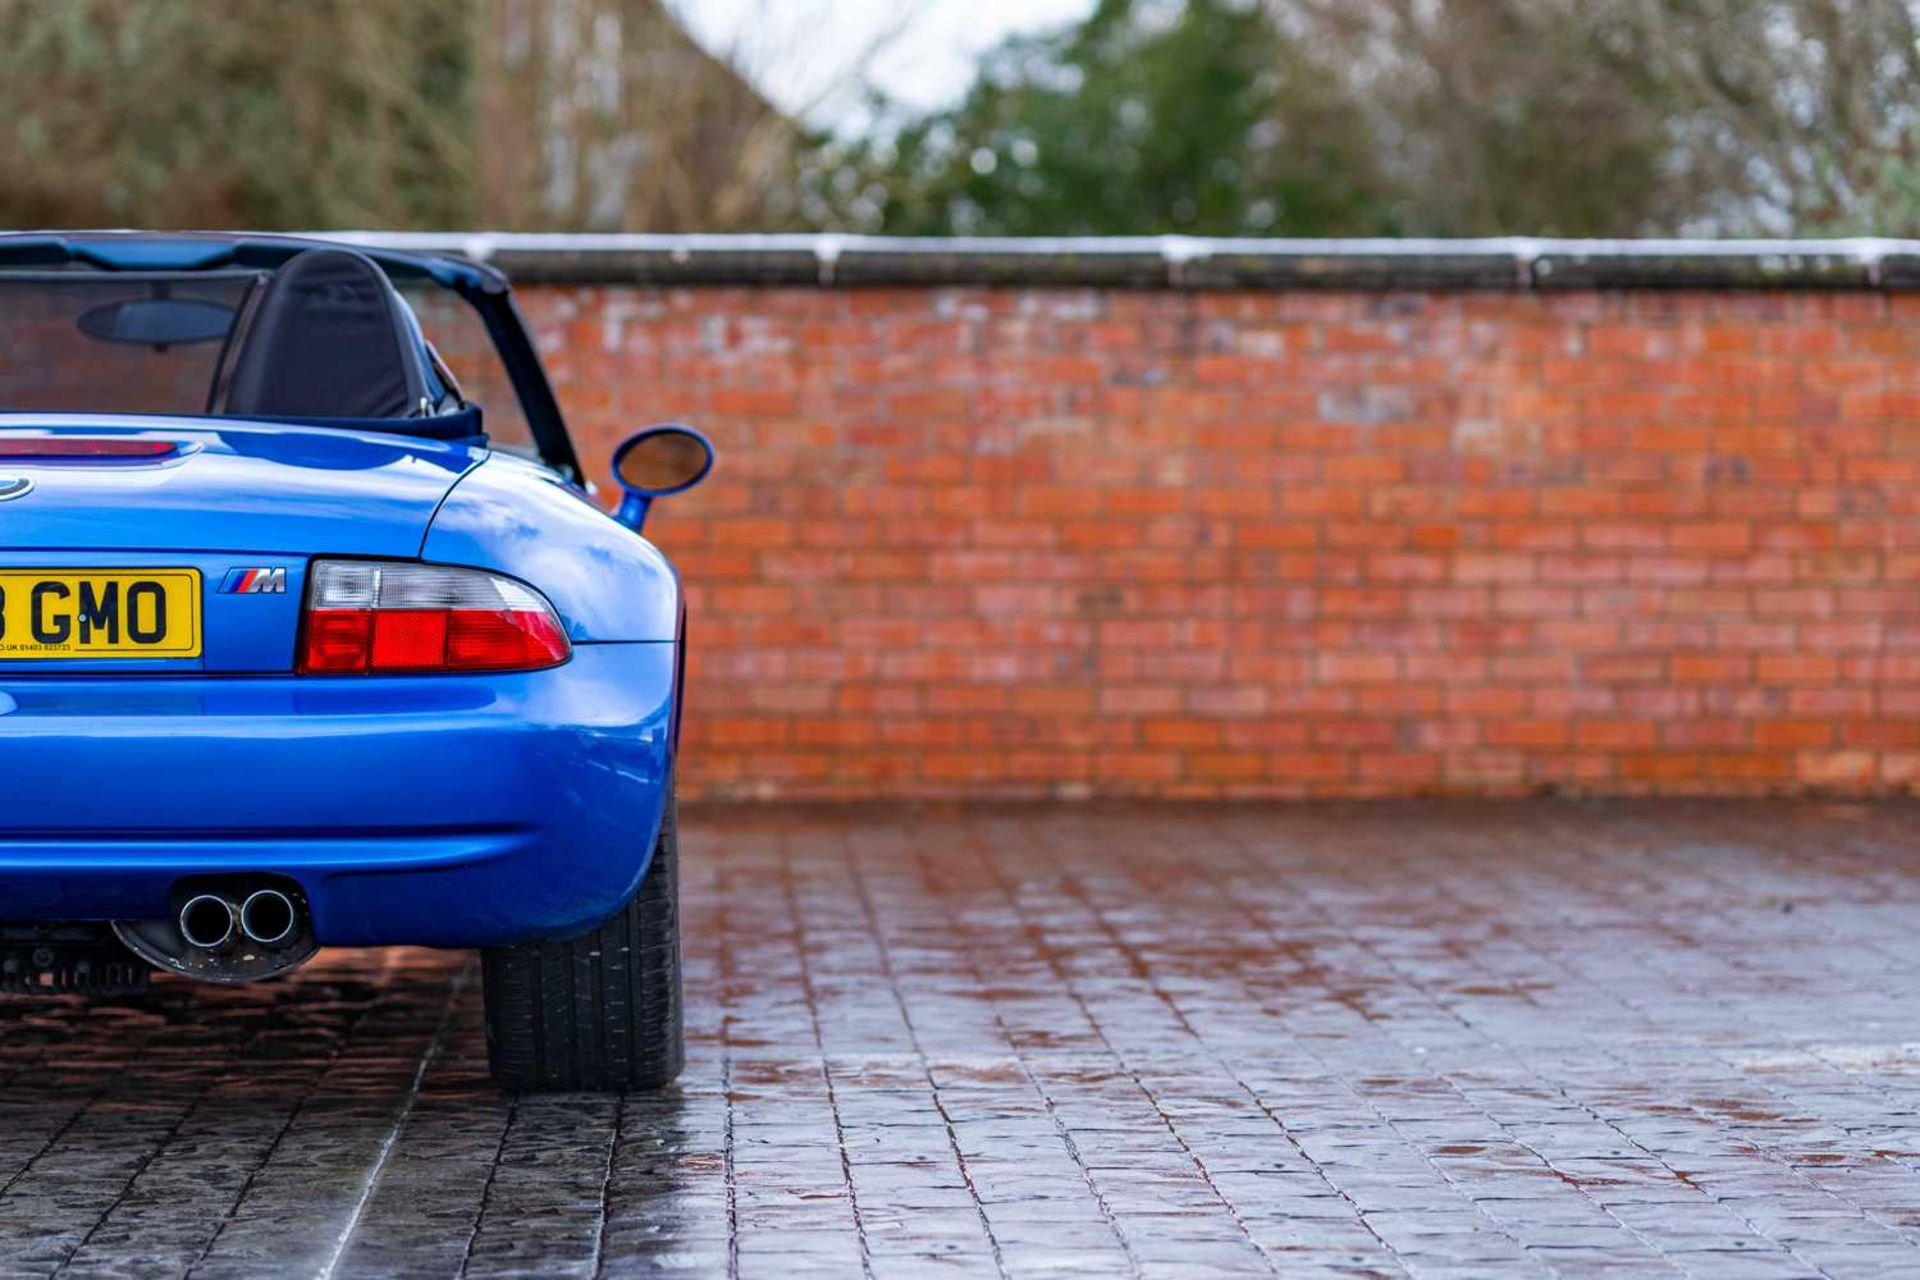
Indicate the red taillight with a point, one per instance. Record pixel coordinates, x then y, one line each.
366 618
337 640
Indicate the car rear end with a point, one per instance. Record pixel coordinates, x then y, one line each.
219 678
292 654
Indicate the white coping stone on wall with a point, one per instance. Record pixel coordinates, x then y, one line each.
1176 261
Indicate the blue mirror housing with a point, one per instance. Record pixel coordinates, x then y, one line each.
656 462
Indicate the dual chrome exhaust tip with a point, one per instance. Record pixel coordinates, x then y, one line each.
235 930
213 922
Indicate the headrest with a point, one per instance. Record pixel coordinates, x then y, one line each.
324 340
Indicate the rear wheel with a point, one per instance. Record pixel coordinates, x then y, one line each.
601 1011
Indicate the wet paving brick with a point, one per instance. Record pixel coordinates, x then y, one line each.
1448 1041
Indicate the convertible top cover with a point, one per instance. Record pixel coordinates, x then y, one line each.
325 337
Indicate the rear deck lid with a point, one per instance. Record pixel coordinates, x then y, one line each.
124 484
111 528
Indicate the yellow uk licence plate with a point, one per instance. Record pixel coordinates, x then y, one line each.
99 613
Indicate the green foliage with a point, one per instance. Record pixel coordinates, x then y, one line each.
376 113
1420 117
1197 118
249 113
1209 117
1895 207
1514 116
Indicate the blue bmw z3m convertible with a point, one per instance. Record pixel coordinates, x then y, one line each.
310 636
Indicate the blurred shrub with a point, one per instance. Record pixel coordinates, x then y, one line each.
376 113
235 113
1269 117
1205 119
1425 117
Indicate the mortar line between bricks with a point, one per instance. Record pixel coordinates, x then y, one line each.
1210 878
1260 924
1629 827
47 1145
1794 862
1632 825
606 1186
1046 1100
864 896
1913 1175
1142 971
94 1095
725 975
140 1167
392 1138
1413 984
280 1135
1439 889
1037 936
60 1130
246 1186
1759 1082
486 1187
104 1091
1145 971
805 966
727 1164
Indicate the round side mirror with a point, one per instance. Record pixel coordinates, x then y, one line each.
662 460
656 462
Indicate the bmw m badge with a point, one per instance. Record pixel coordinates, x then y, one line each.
13 486
264 581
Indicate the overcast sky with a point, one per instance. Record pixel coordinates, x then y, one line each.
803 54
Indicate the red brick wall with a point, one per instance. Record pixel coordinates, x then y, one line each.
1002 542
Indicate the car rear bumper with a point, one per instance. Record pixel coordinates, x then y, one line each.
446 811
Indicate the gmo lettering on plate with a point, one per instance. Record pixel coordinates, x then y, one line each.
99 613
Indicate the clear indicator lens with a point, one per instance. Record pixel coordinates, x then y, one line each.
348 584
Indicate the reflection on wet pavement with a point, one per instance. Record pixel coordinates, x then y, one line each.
1444 1041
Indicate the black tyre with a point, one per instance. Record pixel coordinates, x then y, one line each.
601 1011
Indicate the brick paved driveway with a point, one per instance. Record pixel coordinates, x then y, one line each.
1447 1041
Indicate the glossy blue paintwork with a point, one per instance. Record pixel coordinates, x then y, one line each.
450 810
151 253
608 582
457 811
240 487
